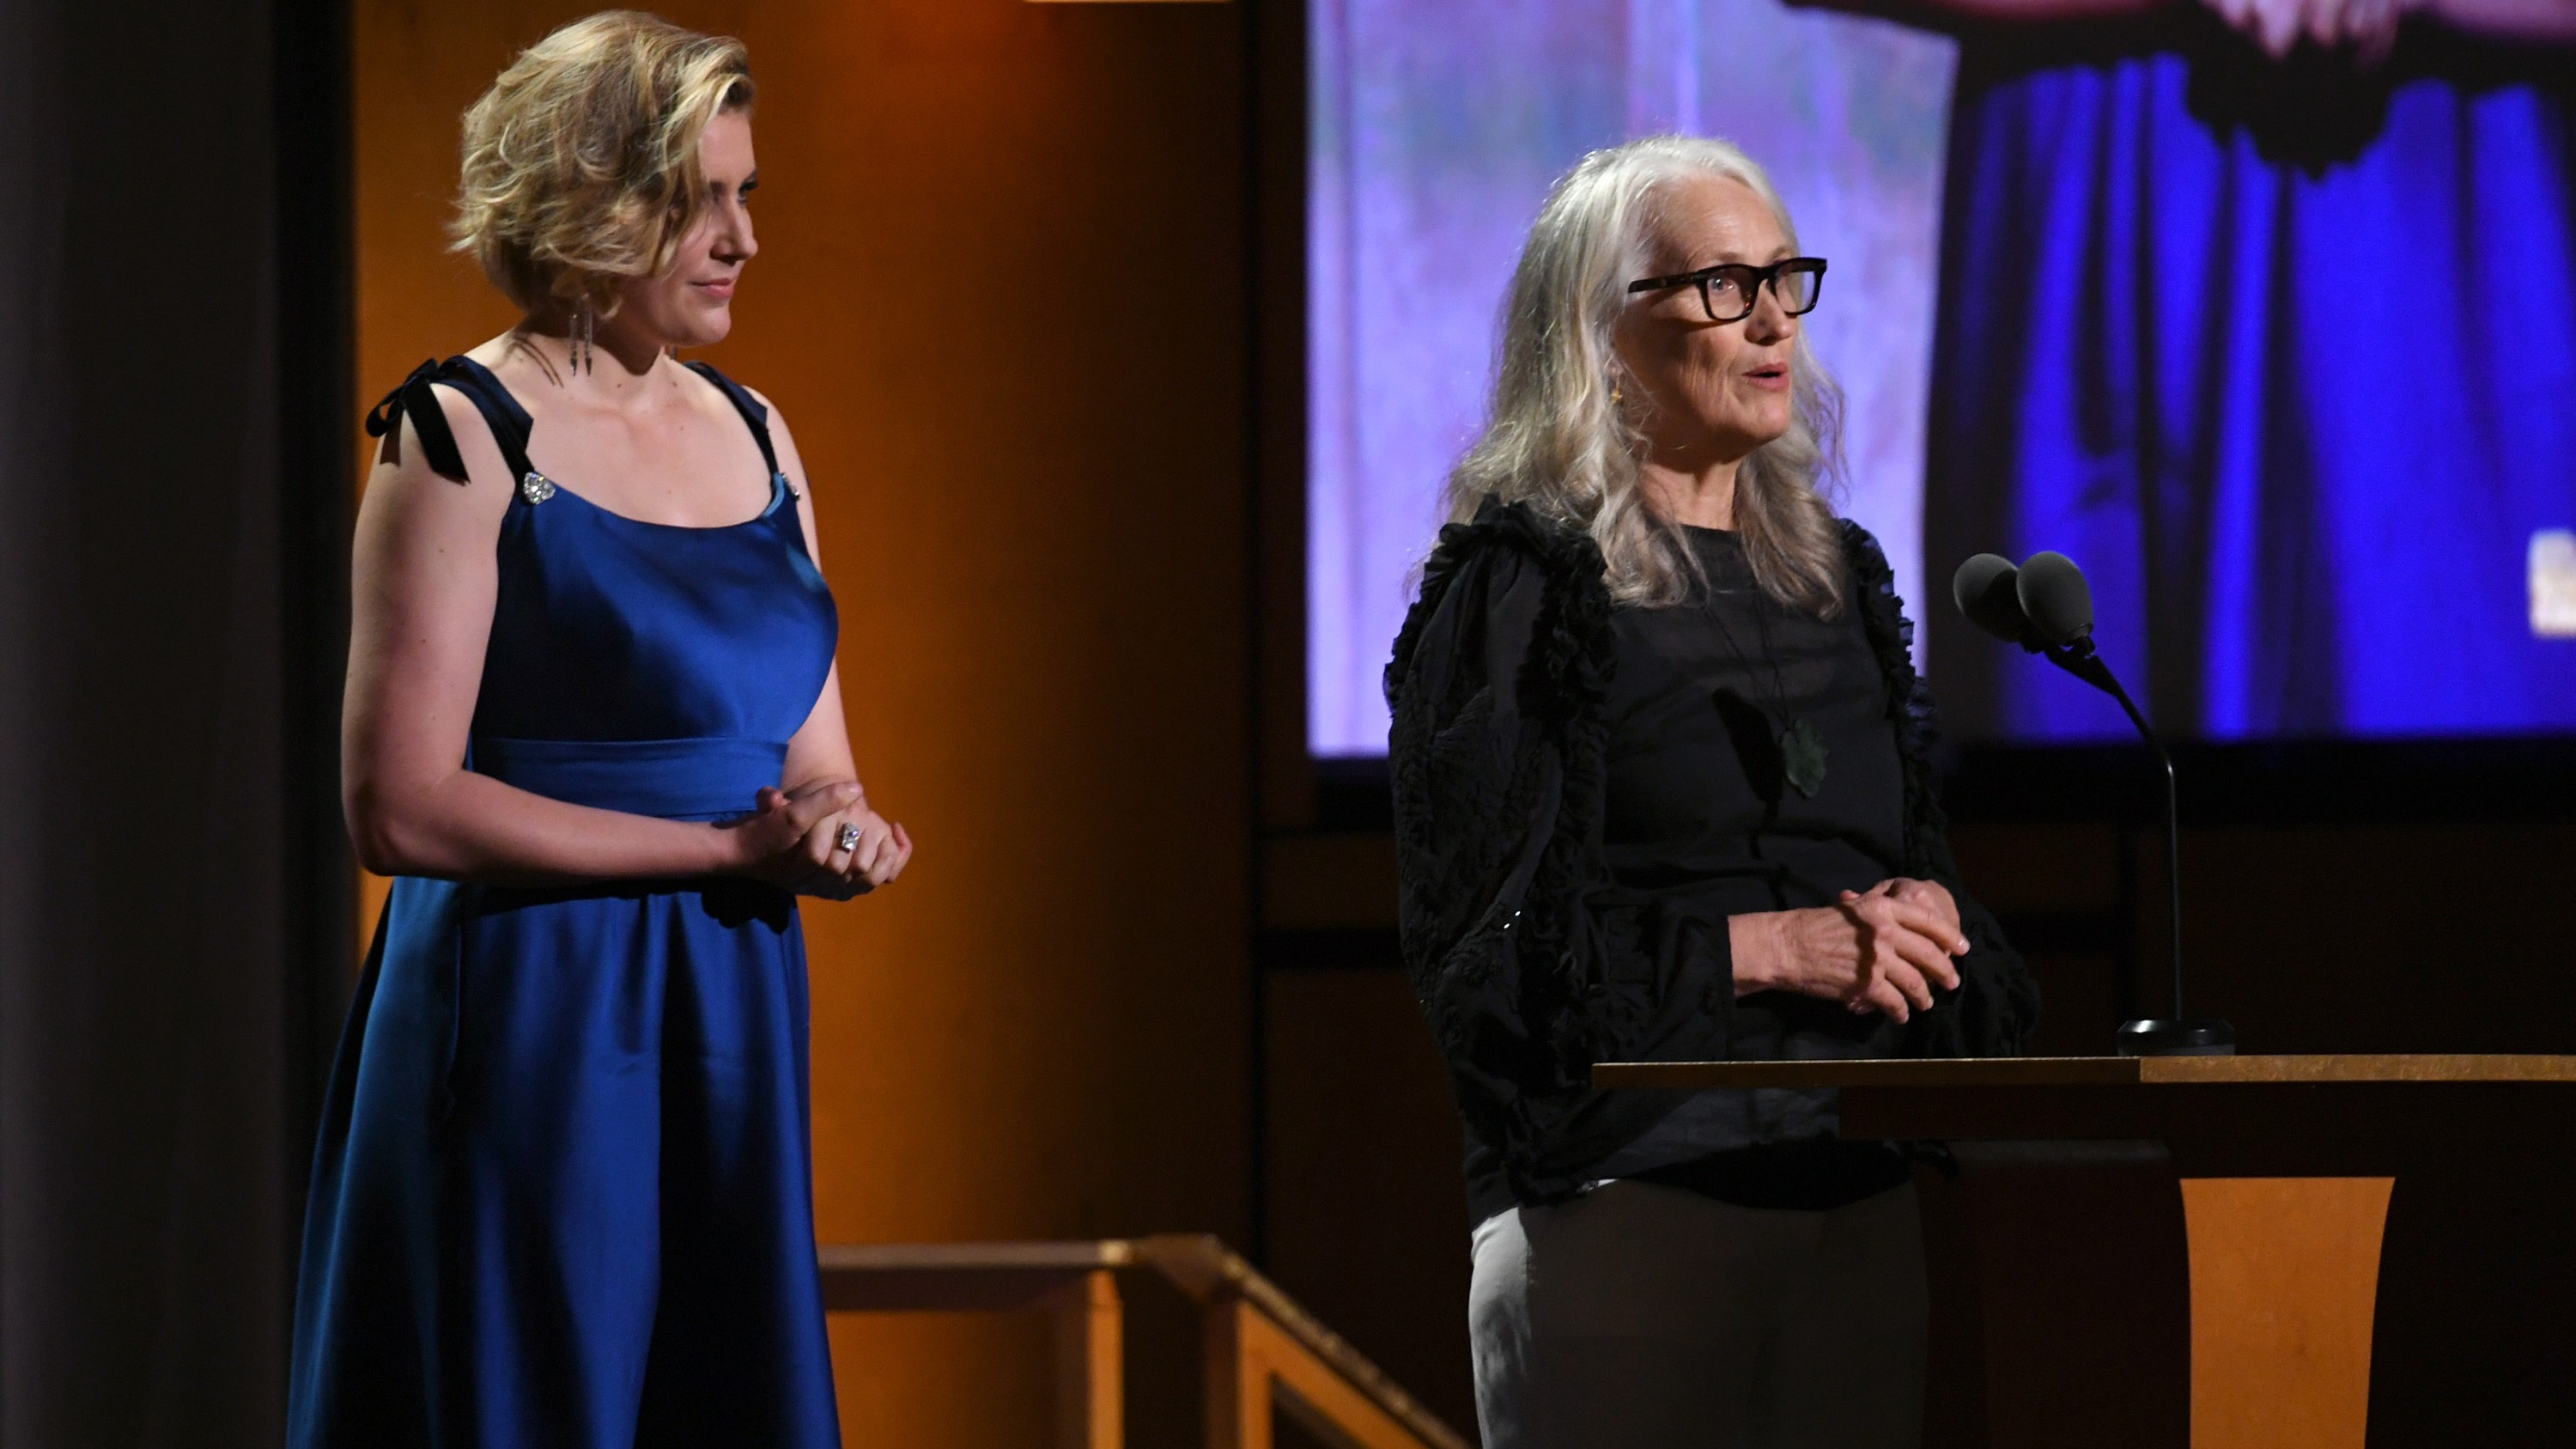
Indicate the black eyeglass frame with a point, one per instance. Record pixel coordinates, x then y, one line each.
1750 278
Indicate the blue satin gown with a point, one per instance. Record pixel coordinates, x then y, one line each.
562 1198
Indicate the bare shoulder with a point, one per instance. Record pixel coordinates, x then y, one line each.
777 419
789 459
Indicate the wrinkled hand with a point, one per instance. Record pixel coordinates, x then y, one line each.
792 841
1883 949
2369 27
1928 893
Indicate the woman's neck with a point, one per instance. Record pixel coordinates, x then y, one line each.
1697 497
610 368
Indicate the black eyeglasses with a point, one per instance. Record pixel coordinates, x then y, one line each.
1729 289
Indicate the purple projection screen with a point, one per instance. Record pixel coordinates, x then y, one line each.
1436 129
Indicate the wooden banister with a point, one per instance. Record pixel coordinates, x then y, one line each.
1270 1340
1073 1283
1264 1351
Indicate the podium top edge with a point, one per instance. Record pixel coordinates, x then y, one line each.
2083 1071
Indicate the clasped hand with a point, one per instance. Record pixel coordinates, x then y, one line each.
1884 949
2367 27
793 841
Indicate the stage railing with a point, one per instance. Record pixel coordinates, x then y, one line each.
1264 1353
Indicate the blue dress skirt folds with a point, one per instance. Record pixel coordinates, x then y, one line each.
562 1197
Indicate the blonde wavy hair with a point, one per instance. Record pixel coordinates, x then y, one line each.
1556 439
581 162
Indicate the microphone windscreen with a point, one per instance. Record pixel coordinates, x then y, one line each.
2055 597
1983 590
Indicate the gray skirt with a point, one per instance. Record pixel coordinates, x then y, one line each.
1646 1316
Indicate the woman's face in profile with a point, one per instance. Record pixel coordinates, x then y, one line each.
691 305
1704 390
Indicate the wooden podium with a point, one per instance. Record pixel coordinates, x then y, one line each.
2283 1252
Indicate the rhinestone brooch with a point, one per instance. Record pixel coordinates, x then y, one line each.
536 487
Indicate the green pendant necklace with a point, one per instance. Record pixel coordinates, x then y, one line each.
1802 756
1801 744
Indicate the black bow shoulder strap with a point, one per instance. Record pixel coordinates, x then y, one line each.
413 399
412 396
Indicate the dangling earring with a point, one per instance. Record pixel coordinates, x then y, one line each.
1614 392
582 335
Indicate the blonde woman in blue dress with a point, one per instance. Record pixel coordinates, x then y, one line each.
562 1198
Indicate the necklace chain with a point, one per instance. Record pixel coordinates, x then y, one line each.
1801 746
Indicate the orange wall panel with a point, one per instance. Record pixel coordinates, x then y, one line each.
1000 301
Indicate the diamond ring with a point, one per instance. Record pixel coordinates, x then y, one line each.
849 838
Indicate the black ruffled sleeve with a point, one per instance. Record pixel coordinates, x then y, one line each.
1528 962
1997 1003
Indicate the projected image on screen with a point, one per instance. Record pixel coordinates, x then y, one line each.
1434 142
2282 350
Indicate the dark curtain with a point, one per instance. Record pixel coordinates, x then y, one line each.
173 897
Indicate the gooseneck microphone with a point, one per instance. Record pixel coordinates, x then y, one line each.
2046 607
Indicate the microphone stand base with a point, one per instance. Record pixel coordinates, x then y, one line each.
2198 1037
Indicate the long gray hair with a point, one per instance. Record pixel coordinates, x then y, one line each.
1556 439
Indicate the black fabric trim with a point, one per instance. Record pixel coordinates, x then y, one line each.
510 424
1909 699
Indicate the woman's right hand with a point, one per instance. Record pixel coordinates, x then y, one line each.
778 843
1882 950
2369 27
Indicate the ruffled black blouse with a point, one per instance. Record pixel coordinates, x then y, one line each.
1584 795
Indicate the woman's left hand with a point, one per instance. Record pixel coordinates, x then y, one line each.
1930 895
2369 27
878 854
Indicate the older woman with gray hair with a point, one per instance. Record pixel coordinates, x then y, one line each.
1662 792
